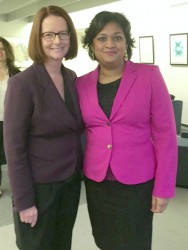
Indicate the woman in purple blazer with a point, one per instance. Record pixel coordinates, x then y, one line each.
7 69
42 128
130 158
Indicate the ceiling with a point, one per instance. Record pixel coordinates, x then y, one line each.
25 9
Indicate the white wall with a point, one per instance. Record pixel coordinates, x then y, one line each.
148 17
19 28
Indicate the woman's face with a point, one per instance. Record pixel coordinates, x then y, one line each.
110 44
3 56
55 49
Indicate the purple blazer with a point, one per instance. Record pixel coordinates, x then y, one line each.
42 137
139 139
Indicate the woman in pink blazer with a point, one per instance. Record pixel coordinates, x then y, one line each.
130 158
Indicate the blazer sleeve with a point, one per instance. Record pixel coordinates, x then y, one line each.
17 123
164 137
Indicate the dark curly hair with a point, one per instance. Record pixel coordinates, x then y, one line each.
10 55
97 24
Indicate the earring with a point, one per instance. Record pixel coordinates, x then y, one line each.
126 56
93 55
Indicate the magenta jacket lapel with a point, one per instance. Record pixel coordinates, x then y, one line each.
90 87
126 83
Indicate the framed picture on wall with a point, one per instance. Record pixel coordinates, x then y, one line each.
178 49
146 49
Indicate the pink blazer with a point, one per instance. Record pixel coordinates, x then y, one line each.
139 139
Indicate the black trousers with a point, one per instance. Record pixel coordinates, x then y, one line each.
57 205
120 214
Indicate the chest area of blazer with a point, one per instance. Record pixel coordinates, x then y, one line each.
50 110
132 101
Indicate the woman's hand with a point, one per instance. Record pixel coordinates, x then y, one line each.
29 215
159 204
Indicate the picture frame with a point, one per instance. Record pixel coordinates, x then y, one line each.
146 49
178 49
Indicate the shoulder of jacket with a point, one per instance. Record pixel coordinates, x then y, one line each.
144 66
87 75
27 73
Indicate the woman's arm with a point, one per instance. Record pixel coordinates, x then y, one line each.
17 125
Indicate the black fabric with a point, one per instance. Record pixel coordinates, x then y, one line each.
182 173
106 95
57 204
68 98
120 214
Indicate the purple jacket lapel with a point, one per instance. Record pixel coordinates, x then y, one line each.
53 100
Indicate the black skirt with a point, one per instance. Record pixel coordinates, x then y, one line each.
2 152
120 214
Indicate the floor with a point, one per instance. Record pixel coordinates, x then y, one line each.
170 228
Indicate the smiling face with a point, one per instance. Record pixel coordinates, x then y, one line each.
56 49
110 44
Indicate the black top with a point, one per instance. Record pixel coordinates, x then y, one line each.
106 95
